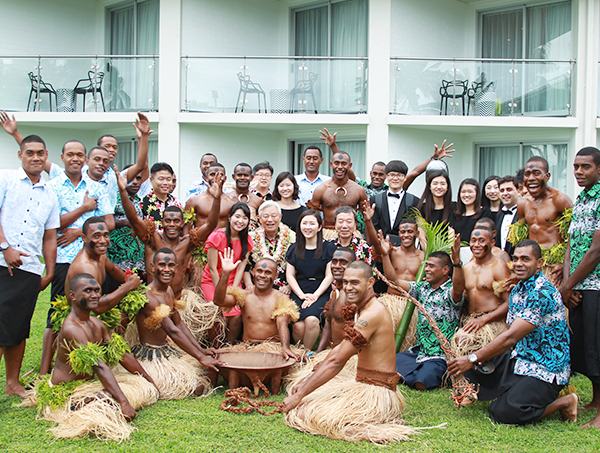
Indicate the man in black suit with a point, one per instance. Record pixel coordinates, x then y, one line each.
508 214
394 203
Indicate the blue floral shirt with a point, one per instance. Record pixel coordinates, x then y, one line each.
544 352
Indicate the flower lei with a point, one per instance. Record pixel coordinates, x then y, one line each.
262 251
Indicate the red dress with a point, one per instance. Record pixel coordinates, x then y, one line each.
218 240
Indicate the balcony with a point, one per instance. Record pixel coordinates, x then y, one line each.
485 87
109 83
280 85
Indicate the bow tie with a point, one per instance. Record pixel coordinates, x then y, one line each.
508 211
395 195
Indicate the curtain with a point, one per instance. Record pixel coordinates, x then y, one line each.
128 152
556 155
121 43
549 38
312 32
146 44
499 161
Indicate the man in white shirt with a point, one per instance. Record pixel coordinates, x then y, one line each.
311 178
29 218
508 214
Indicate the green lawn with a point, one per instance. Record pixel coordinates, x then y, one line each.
198 425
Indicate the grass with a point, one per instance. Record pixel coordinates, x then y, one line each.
198 425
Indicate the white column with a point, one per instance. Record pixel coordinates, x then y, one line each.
169 79
379 80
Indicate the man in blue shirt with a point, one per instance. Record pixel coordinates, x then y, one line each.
311 178
525 381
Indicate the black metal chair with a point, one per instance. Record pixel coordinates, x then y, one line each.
94 85
304 87
249 87
454 89
471 93
43 89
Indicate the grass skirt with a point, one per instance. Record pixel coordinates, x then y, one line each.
303 370
175 373
201 316
395 305
348 410
91 411
467 343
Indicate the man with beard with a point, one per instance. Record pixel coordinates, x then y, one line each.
266 312
484 278
377 175
202 204
339 191
509 195
541 212
170 237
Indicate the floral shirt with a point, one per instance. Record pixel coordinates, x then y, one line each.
266 197
439 303
153 207
370 189
125 250
362 249
584 223
544 352
275 248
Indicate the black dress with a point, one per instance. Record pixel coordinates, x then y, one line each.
290 216
310 272
465 224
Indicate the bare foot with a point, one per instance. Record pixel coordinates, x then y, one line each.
591 405
569 413
199 390
15 389
595 423
420 386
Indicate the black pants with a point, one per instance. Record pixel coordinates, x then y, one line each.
58 288
18 296
585 340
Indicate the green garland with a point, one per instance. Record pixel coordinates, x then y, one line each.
83 359
189 216
55 397
134 301
200 255
111 318
114 350
518 232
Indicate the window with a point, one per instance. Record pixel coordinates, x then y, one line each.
541 32
355 148
134 28
501 160
128 149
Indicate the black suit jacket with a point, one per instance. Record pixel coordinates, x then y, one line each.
381 218
508 248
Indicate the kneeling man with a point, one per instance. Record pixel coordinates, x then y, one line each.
371 406
266 312
526 381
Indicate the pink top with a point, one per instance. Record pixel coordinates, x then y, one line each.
218 240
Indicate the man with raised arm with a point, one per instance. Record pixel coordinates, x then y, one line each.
488 304
201 185
423 366
29 219
171 235
242 175
202 204
530 360
266 312
496 251
325 404
581 288
178 372
541 210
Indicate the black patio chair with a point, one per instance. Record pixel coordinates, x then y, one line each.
93 84
248 86
454 89
43 89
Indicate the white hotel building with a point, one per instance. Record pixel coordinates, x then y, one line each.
372 70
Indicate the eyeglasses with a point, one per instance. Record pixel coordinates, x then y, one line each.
263 175
395 176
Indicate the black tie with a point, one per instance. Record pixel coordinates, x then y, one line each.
395 195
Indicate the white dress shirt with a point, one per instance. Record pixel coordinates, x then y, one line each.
26 211
507 221
307 187
394 204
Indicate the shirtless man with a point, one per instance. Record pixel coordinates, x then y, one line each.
202 204
260 304
339 191
92 260
545 207
155 324
242 175
79 329
479 274
402 262
171 237
496 251
333 332
372 338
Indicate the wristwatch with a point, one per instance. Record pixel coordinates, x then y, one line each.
4 246
459 264
473 358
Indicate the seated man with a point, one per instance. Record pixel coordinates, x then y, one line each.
527 379
266 313
496 251
348 235
488 302
371 406
424 365
177 374
87 349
